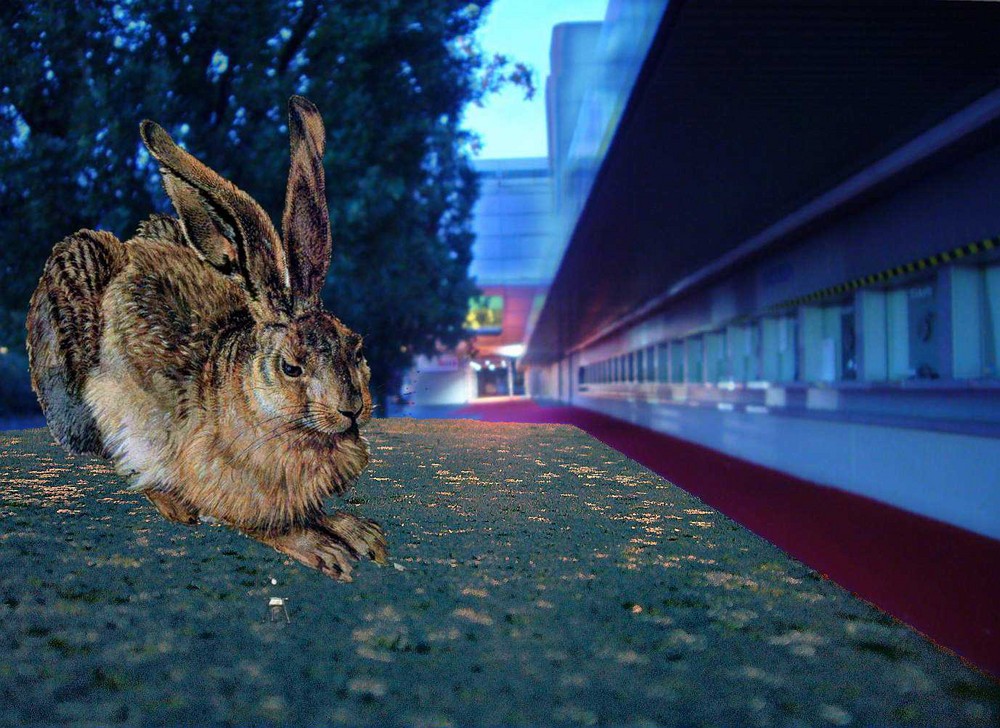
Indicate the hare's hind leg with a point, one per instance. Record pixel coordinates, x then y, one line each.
64 325
171 508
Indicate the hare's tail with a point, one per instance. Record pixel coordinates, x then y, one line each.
64 332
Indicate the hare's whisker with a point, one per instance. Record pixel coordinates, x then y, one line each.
282 428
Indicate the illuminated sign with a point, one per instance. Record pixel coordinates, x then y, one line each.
485 315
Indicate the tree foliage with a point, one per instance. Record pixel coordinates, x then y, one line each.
391 78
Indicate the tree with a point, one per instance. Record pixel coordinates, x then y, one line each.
391 78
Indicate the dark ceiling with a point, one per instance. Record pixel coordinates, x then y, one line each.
743 112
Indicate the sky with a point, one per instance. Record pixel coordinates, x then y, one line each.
522 29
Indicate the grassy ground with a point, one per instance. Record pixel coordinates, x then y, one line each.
537 577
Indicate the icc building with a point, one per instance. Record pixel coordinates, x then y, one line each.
772 233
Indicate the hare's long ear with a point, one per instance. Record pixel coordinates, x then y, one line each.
305 226
223 224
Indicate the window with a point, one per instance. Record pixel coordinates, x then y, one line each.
848 342
663 362
946 324
821 343
922 332
744 352
693 356
991 321
777 349
716 364
677 361
899 332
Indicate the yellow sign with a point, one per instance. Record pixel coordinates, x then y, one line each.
485 314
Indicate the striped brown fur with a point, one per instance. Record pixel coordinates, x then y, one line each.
197 356
64 332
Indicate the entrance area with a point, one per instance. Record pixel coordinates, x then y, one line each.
499 377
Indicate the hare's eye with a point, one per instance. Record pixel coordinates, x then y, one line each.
290 370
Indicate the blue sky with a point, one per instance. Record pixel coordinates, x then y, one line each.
522 29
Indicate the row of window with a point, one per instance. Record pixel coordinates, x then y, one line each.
875 335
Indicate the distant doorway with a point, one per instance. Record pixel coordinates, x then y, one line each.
499 379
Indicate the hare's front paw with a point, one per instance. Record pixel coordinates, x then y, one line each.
317 548
365 537
172 508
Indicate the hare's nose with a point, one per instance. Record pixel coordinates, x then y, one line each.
352 415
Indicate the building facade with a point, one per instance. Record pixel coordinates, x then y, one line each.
791 252
513 263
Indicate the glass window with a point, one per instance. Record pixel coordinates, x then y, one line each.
663 362
693 352
716 365
991 321
743 344
777 349
827 343
677 361
921 310
910 326
821 343
848 341
896 330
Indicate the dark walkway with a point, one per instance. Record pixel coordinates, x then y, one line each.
940 579
537 577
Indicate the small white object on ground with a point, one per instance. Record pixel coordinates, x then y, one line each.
277 609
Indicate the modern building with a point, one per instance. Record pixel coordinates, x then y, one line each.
788 246
574 63
528 207
513 263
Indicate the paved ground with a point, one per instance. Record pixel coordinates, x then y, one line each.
545 579
925 572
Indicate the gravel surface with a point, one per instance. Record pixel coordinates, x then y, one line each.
536 577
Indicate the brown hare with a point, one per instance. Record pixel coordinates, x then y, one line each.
198 357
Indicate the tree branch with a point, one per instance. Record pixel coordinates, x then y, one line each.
307 19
